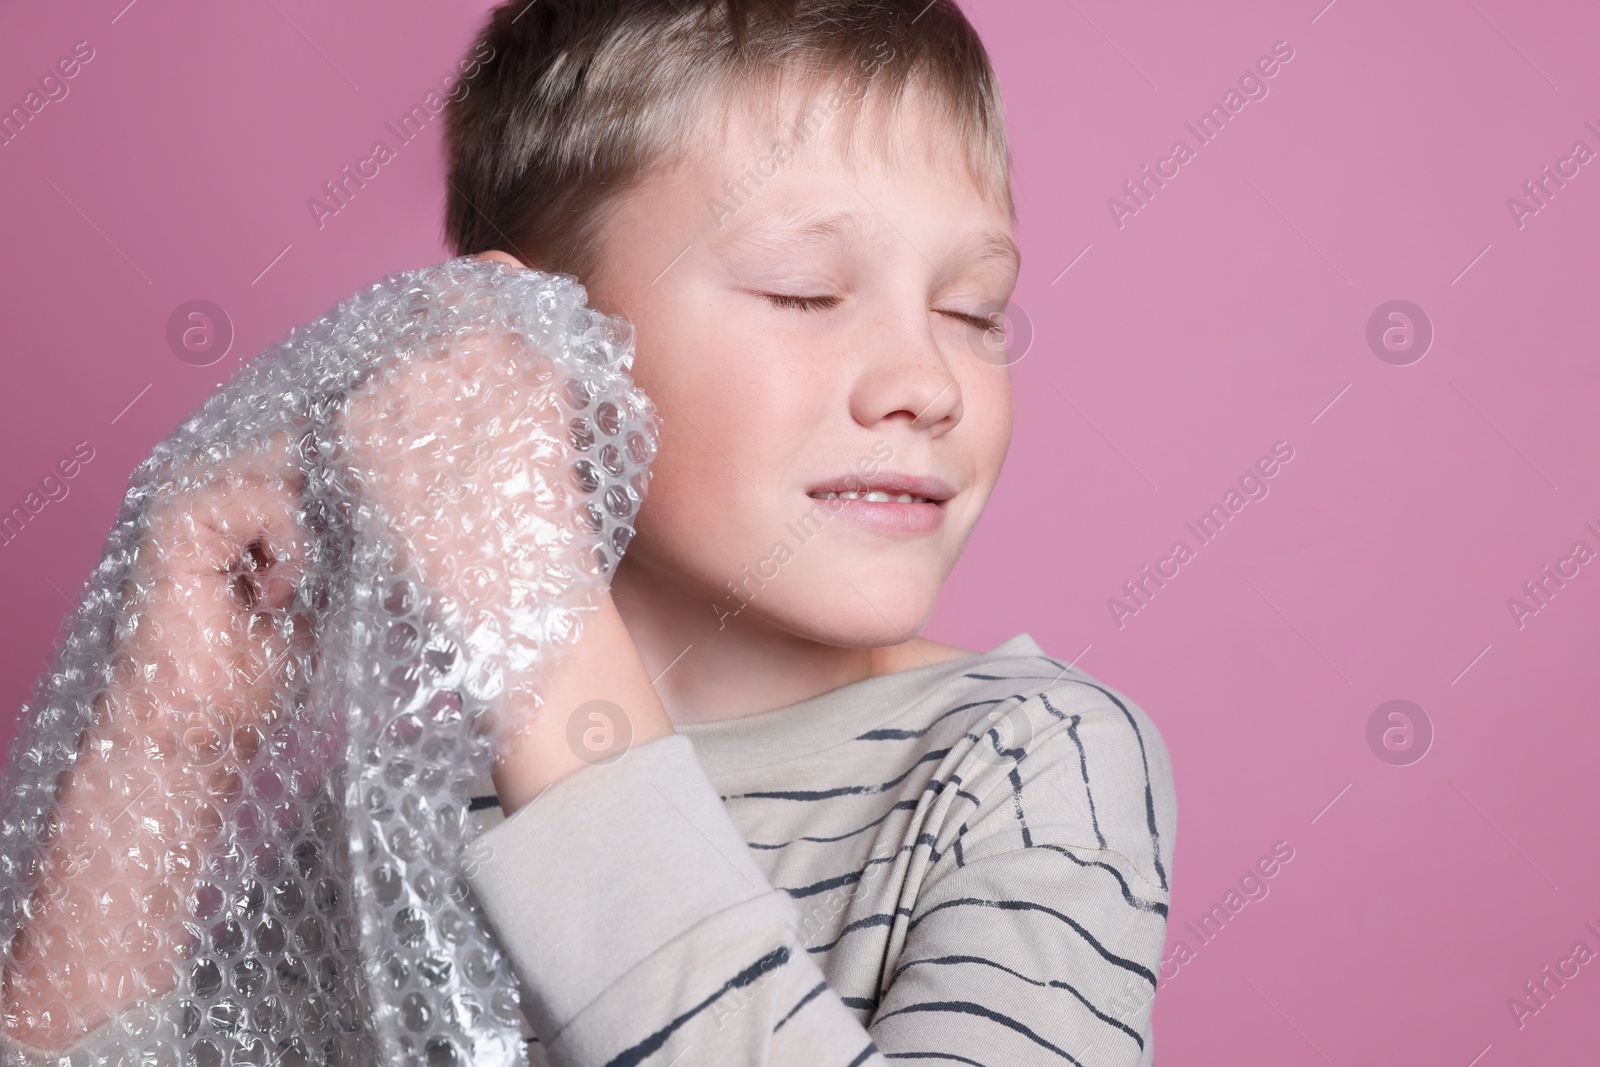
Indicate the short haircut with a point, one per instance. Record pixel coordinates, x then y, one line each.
581 98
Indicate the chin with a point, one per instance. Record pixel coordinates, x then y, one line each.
860 629
881 610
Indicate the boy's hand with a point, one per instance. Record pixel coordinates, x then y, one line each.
452 445
457 442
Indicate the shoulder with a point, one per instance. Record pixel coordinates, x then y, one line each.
1061 698
1050 753
1110 729
1123 773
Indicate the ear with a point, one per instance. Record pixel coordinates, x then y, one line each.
501 257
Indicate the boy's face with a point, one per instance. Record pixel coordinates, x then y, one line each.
787 363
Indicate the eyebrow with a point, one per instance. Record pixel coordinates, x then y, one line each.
798 226
808 226
990 246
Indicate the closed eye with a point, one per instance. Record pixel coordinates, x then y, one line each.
982 322
827 303
803 303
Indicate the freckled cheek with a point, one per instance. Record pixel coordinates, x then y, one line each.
700 512
747 398
727 432
999 430
987 420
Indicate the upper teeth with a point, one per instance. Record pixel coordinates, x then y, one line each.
875 495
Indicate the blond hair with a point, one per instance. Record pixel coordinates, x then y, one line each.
582 98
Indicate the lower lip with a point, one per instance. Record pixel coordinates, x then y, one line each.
887 516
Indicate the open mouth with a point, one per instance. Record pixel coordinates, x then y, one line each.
876 496
894 503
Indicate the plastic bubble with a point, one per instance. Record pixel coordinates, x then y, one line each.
234 822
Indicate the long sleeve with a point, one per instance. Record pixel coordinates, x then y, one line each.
644 931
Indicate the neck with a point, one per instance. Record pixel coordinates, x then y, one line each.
708 665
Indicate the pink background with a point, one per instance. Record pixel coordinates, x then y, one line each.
1226 315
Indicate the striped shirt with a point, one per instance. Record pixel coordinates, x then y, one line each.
967 862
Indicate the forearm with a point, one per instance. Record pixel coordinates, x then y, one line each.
556 736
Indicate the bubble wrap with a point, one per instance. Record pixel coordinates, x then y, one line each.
236 815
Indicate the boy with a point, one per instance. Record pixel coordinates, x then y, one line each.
756 821
830 842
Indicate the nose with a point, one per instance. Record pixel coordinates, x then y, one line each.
907 378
